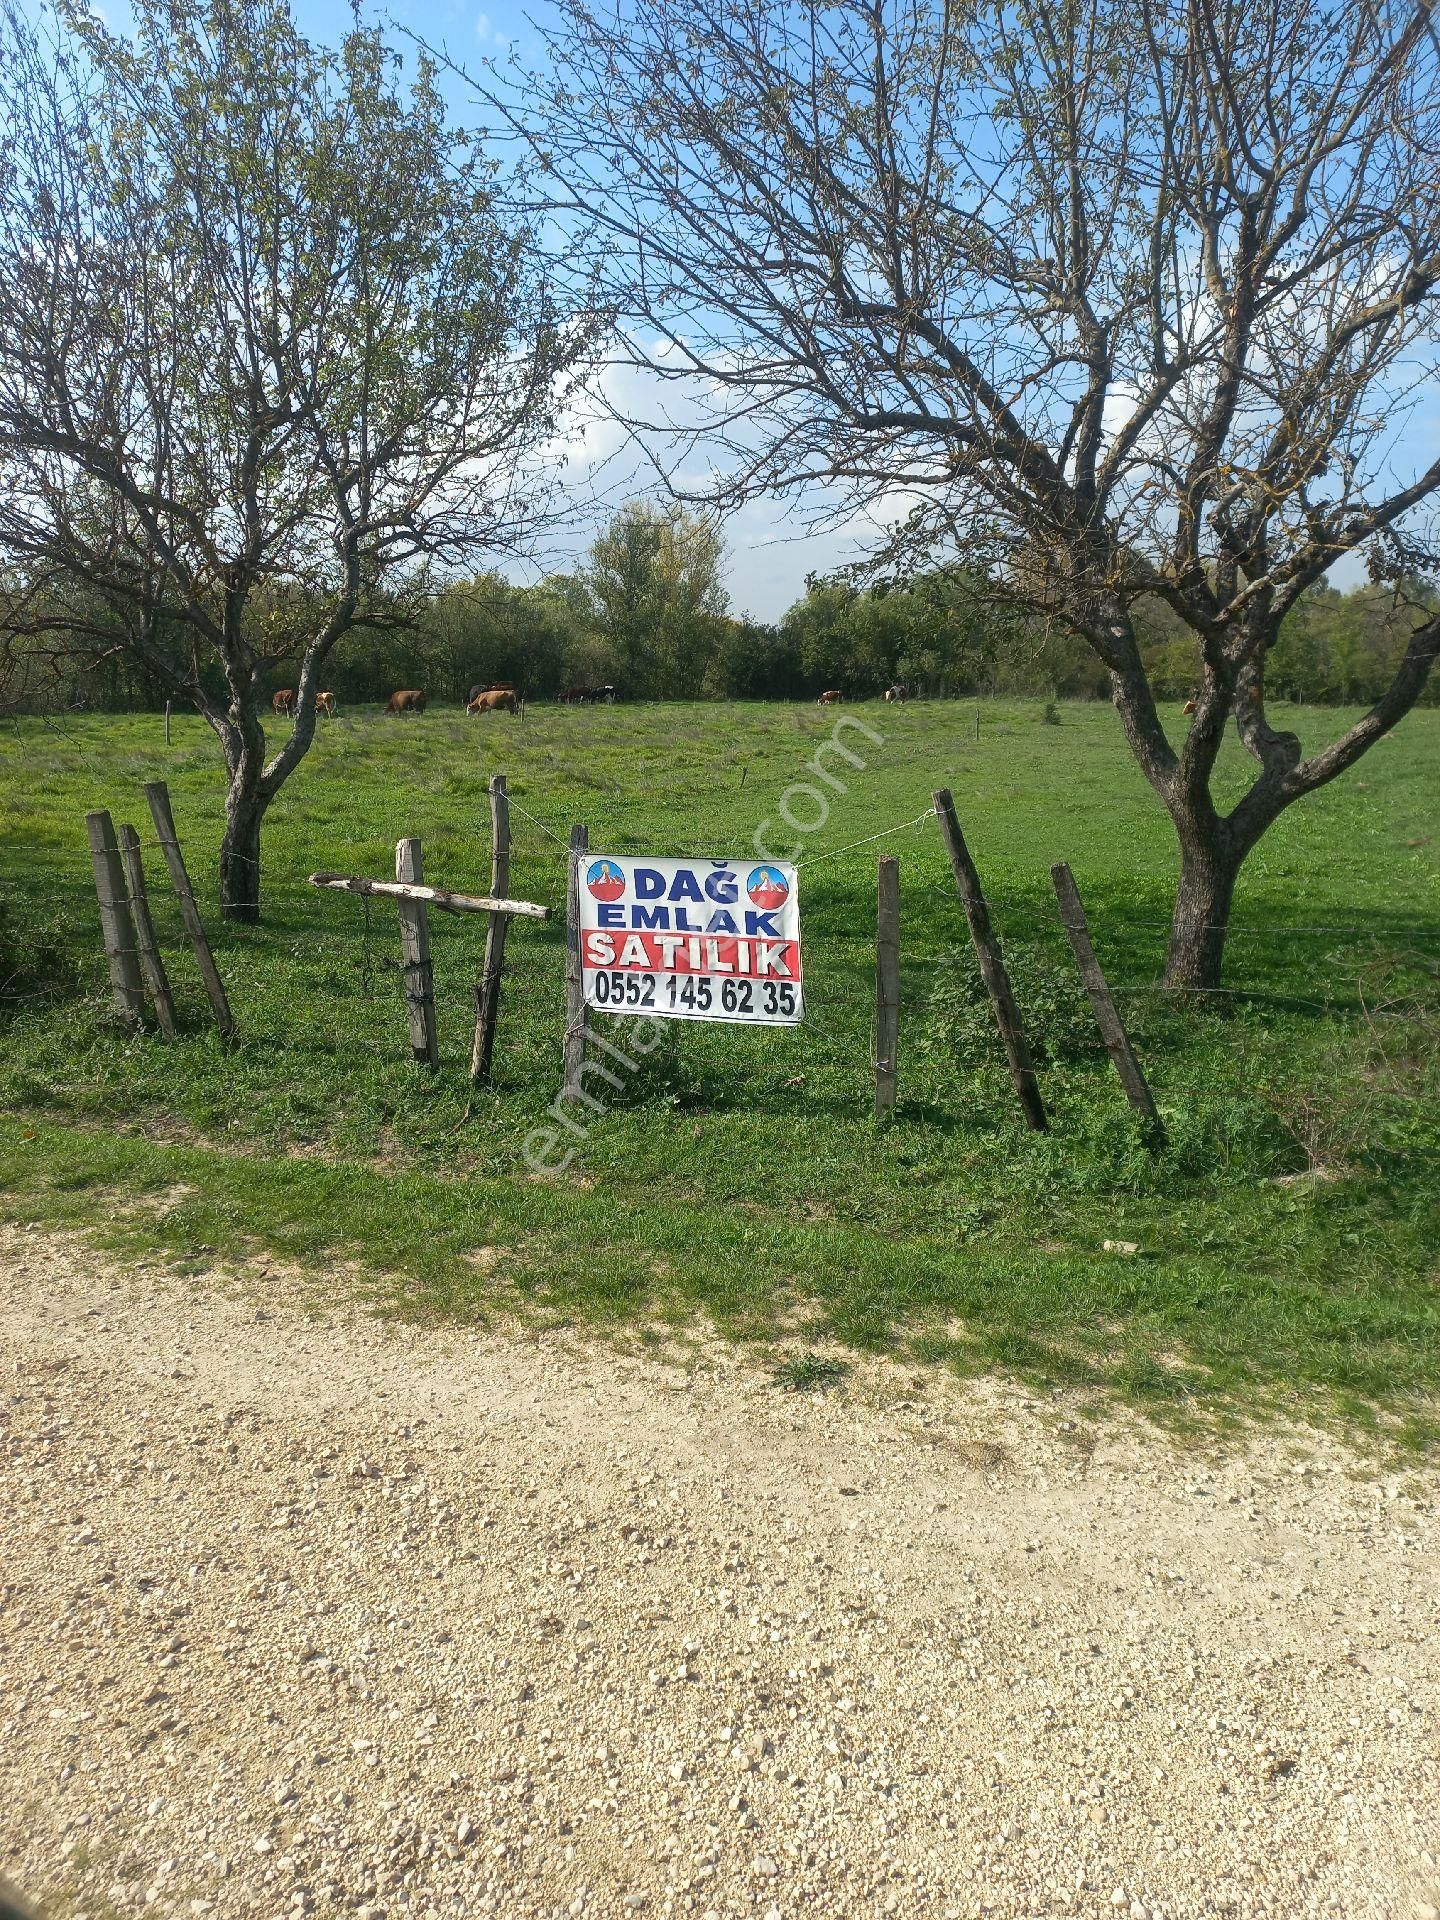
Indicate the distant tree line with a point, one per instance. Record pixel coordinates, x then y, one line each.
649 615
1334 648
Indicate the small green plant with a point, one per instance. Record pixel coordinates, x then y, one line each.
809 1373
1050 717
960 1021
659 1072
33 970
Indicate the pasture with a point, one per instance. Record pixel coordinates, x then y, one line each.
1289 1236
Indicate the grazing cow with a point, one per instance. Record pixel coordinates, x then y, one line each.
283 702
493 686
1191 706
830 698
494 700
408 700
325 703
897 692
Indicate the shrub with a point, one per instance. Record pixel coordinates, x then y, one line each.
960 1022
31 968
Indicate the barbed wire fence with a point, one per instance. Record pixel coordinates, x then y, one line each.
839 986
361 962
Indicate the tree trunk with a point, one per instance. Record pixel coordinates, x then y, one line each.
240 848
1209 867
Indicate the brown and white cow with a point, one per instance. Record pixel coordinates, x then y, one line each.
1190 706
325 703
494 700
408 700
897 692
831 697
283 702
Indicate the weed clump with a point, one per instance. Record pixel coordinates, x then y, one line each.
959 1021
33 969
809 1373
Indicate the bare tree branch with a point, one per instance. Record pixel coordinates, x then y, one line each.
1116 300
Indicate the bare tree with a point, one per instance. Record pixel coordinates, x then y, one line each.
1117 297
270 344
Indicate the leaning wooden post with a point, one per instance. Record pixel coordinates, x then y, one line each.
127 988
887 981
487 994
574 979
415 948
167 723
1107 1017
157 794
151 964
992 966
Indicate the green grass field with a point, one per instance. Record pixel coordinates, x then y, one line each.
1290 1235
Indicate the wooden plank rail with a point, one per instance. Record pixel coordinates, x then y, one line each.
430 896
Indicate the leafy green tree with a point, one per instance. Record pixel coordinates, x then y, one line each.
655 574
818 629
940 633
753 661
1345 647
271 344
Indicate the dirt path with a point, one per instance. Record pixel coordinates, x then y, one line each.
319 1615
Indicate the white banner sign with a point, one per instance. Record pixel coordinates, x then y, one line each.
691 939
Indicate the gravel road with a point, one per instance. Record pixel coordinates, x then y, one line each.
313 1614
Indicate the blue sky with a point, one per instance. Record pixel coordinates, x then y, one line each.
771 549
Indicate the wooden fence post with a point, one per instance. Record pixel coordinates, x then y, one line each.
157 795
1107 1017
167 723
126 987
887 981
151 964
419 975
487 994
992 966
574 978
